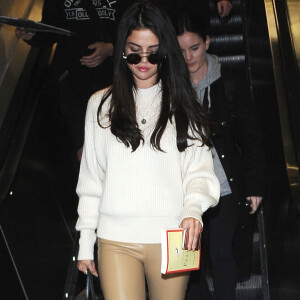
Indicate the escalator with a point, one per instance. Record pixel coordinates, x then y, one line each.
270 58
38 173
37 198
230 41
37 214
271 63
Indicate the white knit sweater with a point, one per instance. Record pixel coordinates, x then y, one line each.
129 196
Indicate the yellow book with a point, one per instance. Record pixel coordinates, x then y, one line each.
174 258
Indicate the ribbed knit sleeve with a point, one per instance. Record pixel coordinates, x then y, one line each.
200 184
89 188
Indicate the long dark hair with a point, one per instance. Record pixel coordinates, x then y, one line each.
178 96
188 21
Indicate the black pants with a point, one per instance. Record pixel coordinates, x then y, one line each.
219 228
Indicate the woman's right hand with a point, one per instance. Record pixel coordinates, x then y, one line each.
194 227
24 35
84 265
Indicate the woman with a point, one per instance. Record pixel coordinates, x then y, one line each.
146 162
234 132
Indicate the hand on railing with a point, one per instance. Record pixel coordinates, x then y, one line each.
24 34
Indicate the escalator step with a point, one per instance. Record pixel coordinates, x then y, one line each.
234 25
250 289
247 290
233 61
230 44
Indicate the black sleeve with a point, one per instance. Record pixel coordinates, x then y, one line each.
50 16
248 135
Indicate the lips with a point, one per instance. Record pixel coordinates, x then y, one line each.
190 65
143 69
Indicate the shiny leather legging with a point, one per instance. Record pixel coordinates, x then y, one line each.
124 266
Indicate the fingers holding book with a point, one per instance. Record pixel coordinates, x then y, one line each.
193 232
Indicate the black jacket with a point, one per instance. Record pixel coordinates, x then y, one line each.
236 134
73 15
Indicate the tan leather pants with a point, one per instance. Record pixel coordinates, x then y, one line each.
124 266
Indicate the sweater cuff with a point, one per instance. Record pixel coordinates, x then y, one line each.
86 244
189 212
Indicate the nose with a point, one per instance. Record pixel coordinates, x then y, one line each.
187 55
144 58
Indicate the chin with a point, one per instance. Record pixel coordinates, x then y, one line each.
193 70
192 67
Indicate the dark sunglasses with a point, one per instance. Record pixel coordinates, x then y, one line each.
135 58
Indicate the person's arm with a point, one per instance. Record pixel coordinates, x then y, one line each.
201 188
89 190
101 52
250 141
224 7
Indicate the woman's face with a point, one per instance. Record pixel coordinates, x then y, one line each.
194 49
142 41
